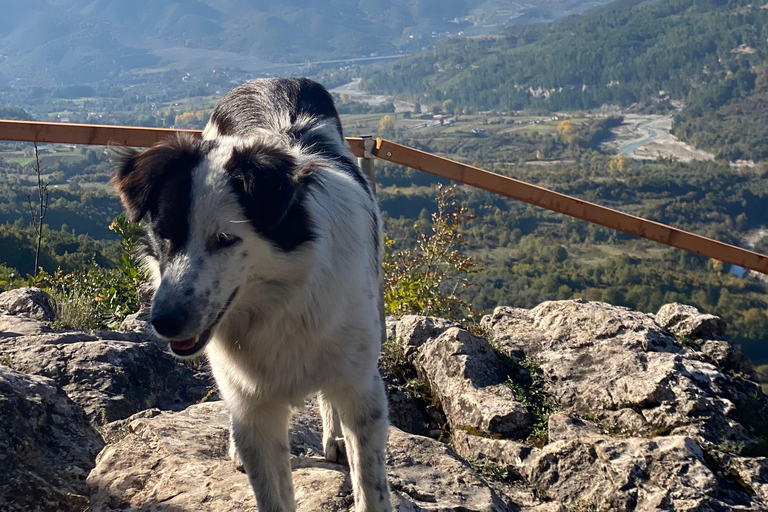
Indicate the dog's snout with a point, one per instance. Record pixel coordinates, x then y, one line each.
170 324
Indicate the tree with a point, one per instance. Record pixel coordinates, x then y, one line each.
565 128
619 163
449 106
386 126
39 209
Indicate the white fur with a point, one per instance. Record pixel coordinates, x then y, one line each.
303 321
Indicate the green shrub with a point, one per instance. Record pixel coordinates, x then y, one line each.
415 280
99 297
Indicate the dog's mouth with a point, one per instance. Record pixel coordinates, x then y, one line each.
192 346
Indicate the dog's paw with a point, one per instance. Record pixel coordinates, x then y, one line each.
336 450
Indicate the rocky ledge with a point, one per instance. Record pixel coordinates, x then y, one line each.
570 406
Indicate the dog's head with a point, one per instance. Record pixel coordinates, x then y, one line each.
217 214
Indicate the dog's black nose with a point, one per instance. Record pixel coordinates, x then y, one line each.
169 325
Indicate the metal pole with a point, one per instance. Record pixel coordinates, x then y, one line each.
366 162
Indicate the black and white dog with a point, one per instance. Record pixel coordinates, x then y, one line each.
264 245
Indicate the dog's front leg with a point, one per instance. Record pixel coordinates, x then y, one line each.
261 440
333 442
363 413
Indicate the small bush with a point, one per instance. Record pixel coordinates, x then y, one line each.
98 298
415 279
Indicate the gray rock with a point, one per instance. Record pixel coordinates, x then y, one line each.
178 461
727 357
624 422
12 326
491 454
32 303
412 331
669 315
597 357
47 446
406 411
138 323
753 472
426 475
466 375
688 322
504 452
111 375
563 427
662 473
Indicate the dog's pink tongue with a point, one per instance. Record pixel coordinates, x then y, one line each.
183 344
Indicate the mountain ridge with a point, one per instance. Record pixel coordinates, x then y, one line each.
76 41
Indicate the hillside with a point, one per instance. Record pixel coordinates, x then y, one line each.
76 41
729 117
630 51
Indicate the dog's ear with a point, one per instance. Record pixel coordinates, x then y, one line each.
266 182
140 175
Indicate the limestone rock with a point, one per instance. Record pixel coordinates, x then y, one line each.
727 357
47 446
138 323
753 472
466 375
426 475
688 322
412 331
12 326
405 410
504 452
32 303
624 422
111 375
563 427
669 315
662 473
178 461
599 358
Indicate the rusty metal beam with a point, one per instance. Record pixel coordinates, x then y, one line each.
103 135
95 134
561 203
29 131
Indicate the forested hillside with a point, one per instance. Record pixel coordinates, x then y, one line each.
630 51
729 117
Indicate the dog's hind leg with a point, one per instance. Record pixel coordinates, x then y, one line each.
333 442
261 438
363 411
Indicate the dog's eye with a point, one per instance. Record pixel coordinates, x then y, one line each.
223 240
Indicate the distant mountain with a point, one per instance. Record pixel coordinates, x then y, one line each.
76 41
629 51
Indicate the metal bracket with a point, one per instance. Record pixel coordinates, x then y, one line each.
369 144
366 163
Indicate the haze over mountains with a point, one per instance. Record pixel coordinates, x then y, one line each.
77 41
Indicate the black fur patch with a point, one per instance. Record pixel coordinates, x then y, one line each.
269 187
158 182
255 104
